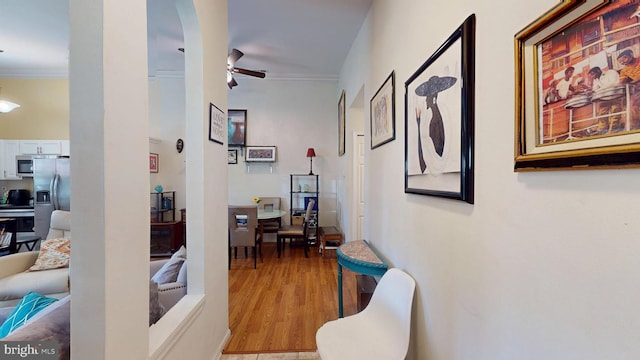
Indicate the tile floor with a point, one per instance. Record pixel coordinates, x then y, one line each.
273 356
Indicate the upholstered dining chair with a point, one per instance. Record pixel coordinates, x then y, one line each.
381 331
296 232
243 221
267 204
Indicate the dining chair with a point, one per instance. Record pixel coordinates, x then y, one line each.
381 331
243 221
296 232
267 204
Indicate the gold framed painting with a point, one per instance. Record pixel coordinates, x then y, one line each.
578 87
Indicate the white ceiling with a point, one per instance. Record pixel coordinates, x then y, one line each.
286 38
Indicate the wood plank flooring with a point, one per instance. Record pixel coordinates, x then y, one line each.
279 306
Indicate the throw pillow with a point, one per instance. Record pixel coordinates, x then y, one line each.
156 310
54 253
30 305
168 273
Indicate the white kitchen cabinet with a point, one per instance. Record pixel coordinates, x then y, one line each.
66 149
9 149
36 147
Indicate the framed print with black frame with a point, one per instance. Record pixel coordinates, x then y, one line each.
341 124
439 120
216 124
382 113
232 156
237 127
578 88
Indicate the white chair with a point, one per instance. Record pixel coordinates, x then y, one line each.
380 331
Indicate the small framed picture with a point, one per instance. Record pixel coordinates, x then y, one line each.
383 113
237 127
260 154
216 124
153 162
233 157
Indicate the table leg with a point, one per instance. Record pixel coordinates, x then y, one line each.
340 315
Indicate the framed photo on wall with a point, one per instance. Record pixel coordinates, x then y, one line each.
232 156
382 113
439 120
341 124
153 163
260 153
237 127
216 124
577 93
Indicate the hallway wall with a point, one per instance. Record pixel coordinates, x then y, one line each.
544 265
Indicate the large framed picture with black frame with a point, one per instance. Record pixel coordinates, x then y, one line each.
439 120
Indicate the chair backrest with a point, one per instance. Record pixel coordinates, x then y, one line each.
267 203
60 225
242 225
392 301
307 216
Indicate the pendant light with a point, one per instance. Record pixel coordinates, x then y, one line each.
7 106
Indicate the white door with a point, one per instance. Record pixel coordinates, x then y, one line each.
358 187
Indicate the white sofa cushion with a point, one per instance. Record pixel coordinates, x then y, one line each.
55 281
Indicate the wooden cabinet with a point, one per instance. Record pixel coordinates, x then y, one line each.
9 149
41 147
166 238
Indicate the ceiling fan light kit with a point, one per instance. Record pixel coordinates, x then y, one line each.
234 55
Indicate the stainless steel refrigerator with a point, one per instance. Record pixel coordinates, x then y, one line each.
52 190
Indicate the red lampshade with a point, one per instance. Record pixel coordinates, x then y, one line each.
311 152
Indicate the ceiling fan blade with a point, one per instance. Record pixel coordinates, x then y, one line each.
242 71
234 55
232 83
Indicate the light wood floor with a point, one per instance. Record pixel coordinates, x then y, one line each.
279 306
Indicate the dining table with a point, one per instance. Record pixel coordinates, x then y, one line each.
266 215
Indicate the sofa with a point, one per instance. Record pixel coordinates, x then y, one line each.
50 324
16 282
170 293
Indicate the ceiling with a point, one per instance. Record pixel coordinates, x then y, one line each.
286 38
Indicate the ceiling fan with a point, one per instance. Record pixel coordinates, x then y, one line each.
234 55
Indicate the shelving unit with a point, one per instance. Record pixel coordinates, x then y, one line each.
167 235
163 207
303 187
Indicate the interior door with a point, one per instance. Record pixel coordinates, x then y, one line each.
359 187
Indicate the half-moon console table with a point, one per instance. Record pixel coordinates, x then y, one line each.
359 257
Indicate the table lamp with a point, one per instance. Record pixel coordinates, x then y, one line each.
311 153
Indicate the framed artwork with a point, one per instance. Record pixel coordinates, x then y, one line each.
260 153
153 163
341 124
216 124
237 125
233 156
577 93
439 120
382 113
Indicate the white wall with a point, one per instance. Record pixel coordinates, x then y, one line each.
167 125
293 115
110 130
544 265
